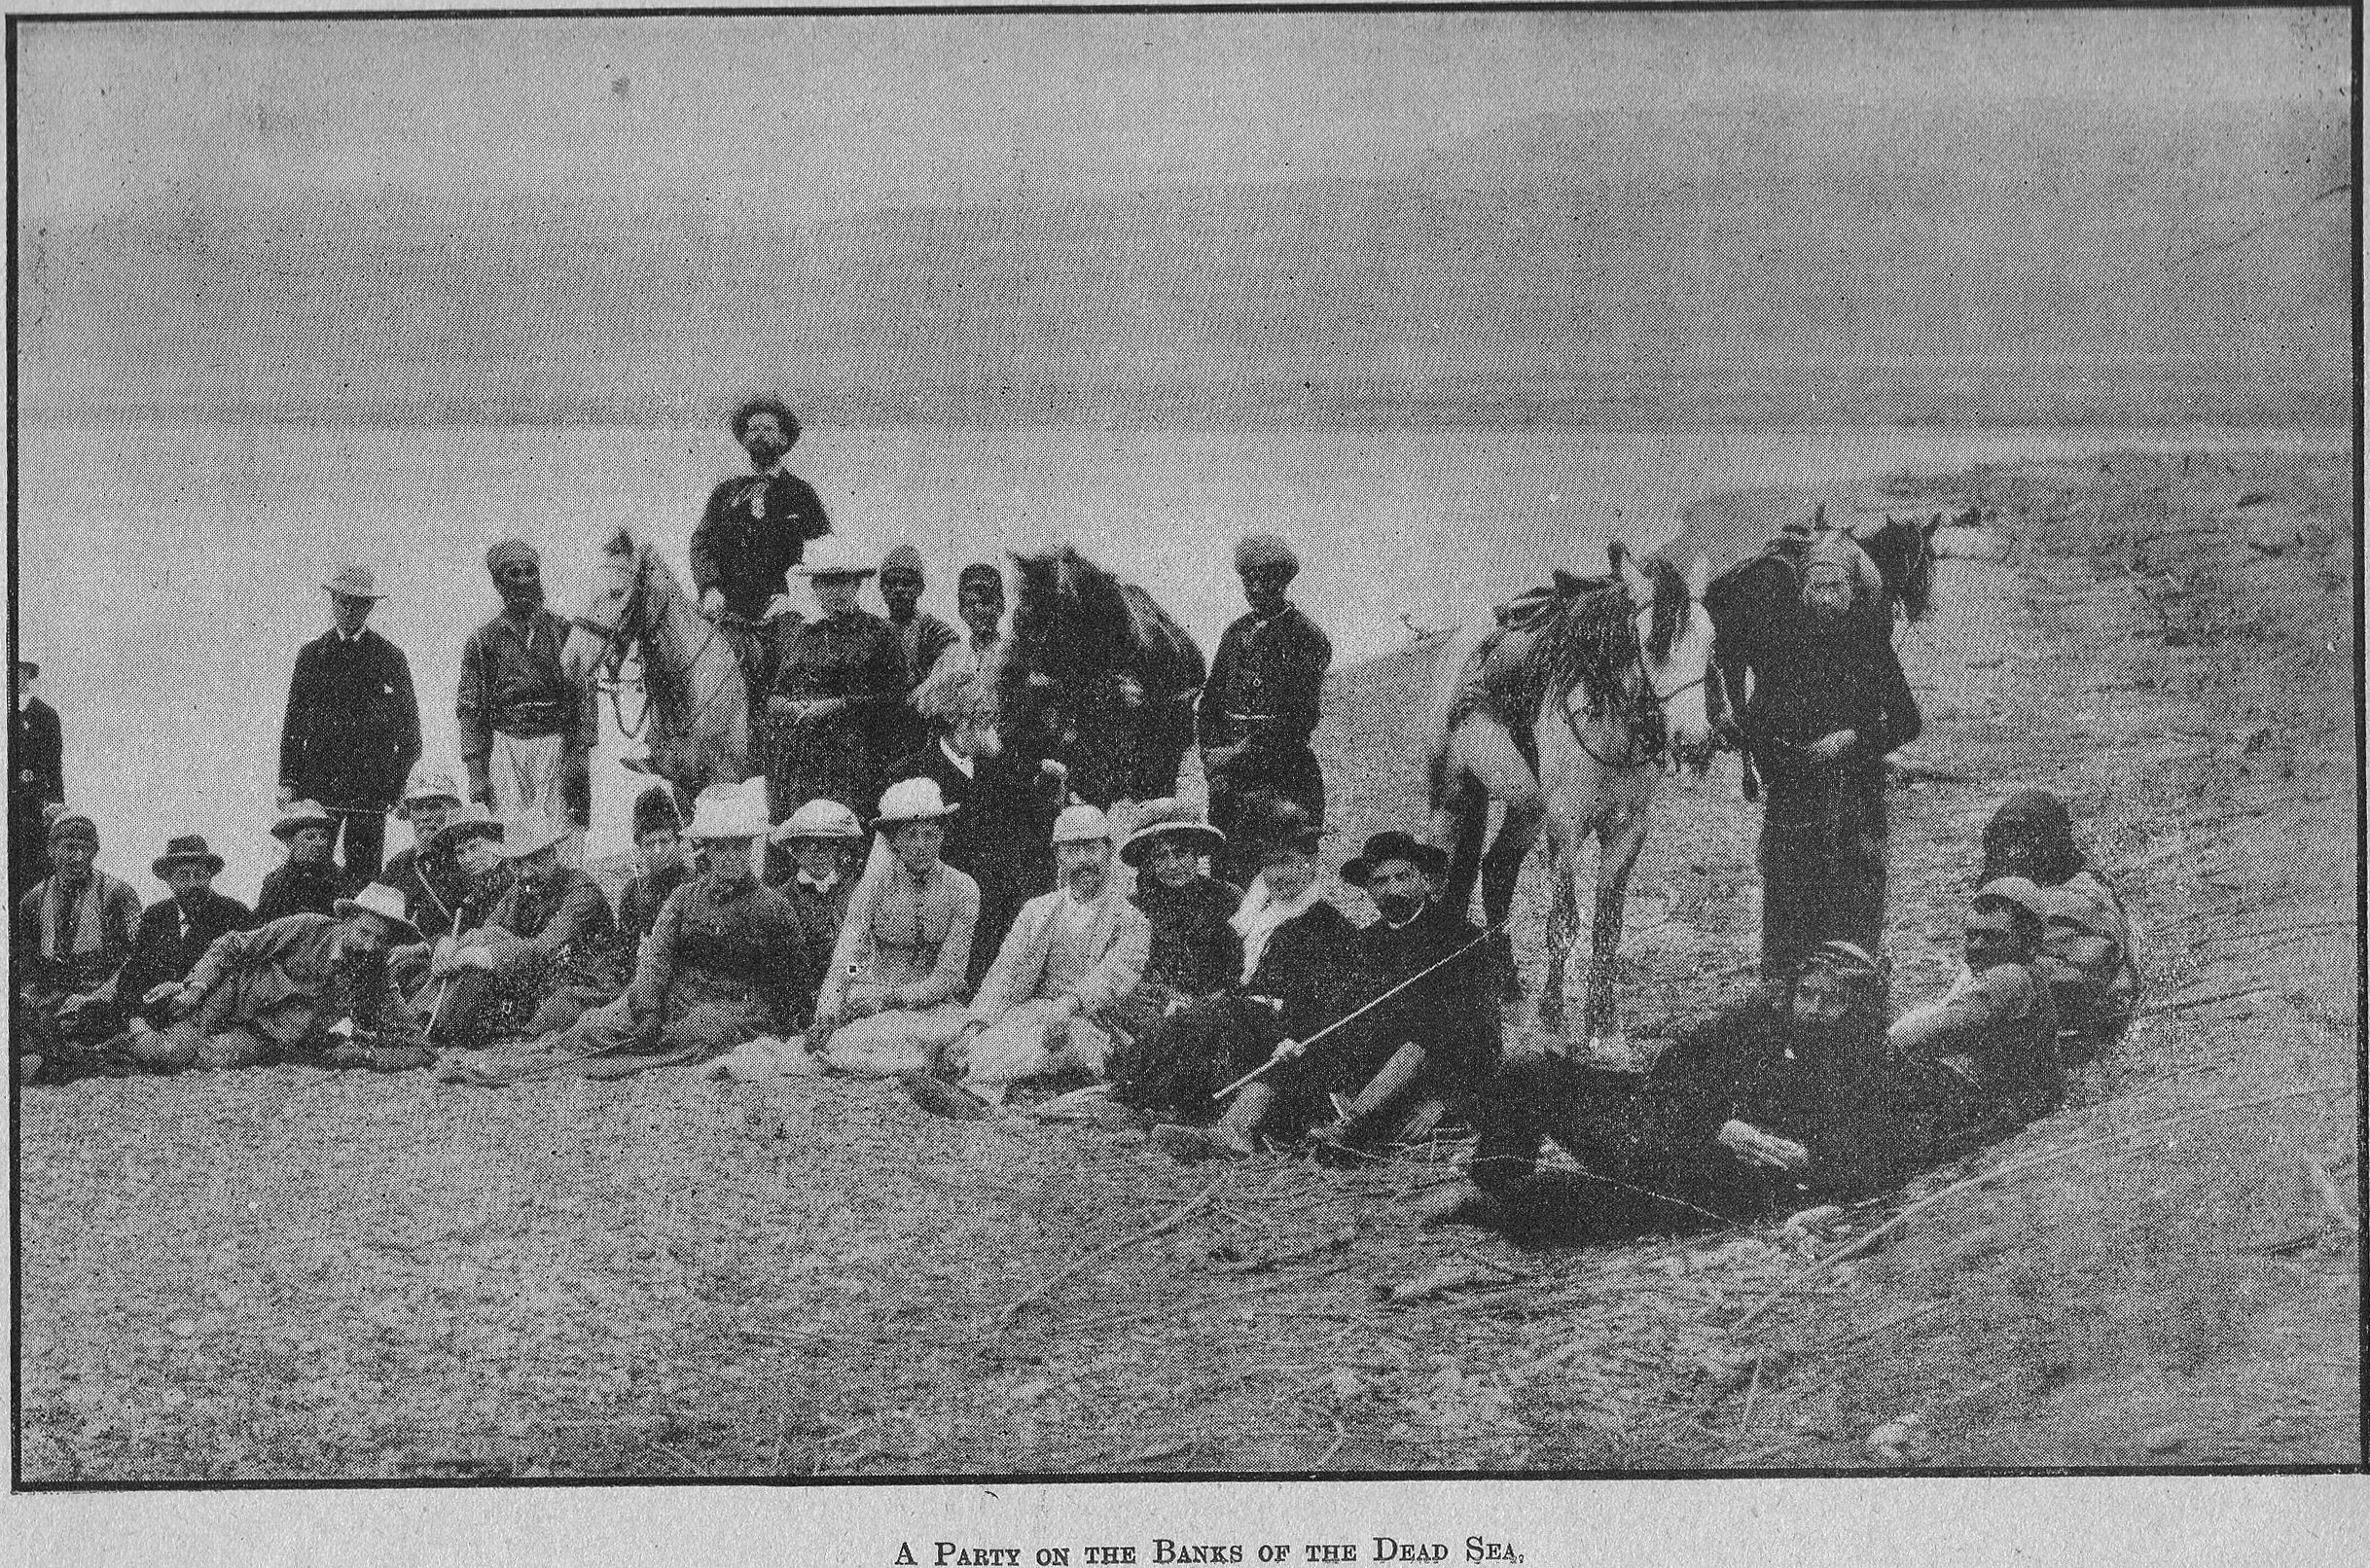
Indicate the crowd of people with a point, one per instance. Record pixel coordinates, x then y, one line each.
898 898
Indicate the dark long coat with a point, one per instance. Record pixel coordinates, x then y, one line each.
162 950
352 732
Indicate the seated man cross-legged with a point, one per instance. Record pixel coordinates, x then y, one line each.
1069 955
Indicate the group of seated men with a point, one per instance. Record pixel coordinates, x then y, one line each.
1222 1018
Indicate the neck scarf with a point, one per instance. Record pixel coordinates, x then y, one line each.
85 917
1259 917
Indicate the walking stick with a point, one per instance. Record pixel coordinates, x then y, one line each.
444 988
1279 1059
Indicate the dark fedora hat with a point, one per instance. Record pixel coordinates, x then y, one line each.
188 850
1393 844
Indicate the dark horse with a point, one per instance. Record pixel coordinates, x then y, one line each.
1753 600
1098 677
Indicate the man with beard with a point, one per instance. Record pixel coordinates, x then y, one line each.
526 730
1259 704
174 933
1437 1039
429 879
310 988
351 731
1069 955
1777 1102
527 970
754 530
1828 701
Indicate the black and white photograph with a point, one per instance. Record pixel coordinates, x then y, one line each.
963 747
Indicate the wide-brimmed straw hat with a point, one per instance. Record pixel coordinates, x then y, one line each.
820 819
1169 822
1082 824
532 835
430 783
354 582
1393 844
300 814
834 557
190 850
471 821
911 799
385 903
726 814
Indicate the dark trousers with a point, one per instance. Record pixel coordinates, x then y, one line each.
1822 861
364 836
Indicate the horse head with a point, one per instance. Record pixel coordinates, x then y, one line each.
611 619
1903 551
1675 648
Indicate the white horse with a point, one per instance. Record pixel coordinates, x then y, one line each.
1568 716
698 703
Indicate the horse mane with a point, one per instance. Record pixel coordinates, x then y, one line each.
1669 616
1589 641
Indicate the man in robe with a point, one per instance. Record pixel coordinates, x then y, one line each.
352 730
1261 703
526 730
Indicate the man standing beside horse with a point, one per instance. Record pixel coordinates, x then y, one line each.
1260 706
1828 702
527 729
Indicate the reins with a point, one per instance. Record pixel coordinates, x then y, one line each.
611 677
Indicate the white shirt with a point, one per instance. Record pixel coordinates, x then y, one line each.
962 764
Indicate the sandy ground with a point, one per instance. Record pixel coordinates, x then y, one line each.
287 1274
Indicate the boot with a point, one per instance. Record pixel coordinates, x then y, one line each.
1366 1118
1233 1138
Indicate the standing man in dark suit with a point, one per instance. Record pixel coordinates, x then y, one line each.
37 751
352 729
1260 705
755 528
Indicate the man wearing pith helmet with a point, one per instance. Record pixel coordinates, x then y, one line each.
1260 706
352 730
1068 957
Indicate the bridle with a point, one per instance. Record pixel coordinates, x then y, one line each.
1654 750
609 674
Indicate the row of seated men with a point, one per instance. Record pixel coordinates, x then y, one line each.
1226 1020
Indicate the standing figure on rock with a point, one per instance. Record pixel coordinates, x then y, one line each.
1260 705
755 528
352 730
835 693
527 729
1828 702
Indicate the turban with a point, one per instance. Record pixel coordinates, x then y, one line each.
1260 552
979 574
74 825
903 559
512 549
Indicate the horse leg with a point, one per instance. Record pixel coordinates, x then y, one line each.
1562 919
1620 839
1459 820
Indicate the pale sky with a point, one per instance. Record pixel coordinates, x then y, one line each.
820 117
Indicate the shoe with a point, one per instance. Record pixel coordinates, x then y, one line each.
950 1100
1186 1145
